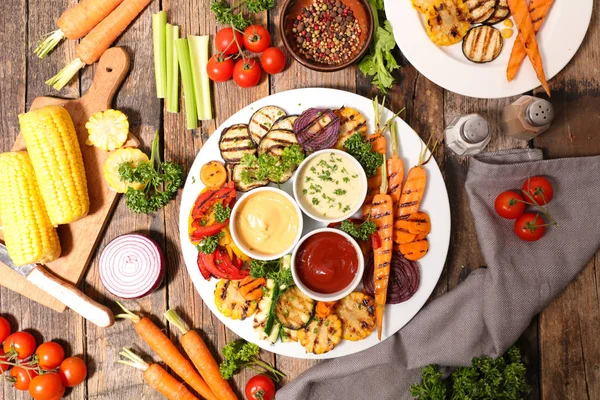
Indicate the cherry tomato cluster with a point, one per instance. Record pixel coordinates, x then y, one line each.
260 387
537 192
246 72
43 370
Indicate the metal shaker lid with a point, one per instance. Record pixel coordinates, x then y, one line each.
475 129
540 113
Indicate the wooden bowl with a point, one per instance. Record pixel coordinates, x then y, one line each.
292 8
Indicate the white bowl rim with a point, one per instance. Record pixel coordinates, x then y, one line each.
362 176
331 296
242 246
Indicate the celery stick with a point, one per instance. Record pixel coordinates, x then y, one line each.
173 104
169 60
199 53
159 42
185 65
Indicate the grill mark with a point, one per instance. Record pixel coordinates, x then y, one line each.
378 203
535 21
224 293
383 265
358 127
381 215
487 41
234 139
394 189
409 204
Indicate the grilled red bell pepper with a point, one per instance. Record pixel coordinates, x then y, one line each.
202 266
200 232
219 265
206 200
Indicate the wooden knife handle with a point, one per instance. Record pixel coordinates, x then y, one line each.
72 297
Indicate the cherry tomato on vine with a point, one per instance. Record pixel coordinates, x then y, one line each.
3 358
256 38
23 344
46 387
72 371
273 60
22 377
540 188
50 355
59 395
260 387
225 42
219 69
509 205
4 329
246 73
530 227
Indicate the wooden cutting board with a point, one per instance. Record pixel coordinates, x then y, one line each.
79 239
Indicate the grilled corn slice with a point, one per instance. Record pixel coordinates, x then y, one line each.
321 335
52 144
230 301
447 22
294 309
107 130
111 168
28 233
351 122
422 5
357 312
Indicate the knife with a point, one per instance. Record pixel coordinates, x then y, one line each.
64 292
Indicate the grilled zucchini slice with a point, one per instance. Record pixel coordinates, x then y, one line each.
235 174
447 22
481 10
230 301
500 14
351 122
288 335
422 5
235 143
321 335
286 123
262 314
294 309
357 312
262 121
482 44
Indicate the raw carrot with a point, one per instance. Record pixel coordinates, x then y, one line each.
395 168
76 22
157 378
383 217
167 351
200 355
538 9
520 13
91 48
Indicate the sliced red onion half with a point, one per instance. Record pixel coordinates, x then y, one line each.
404 278
317 129
132 266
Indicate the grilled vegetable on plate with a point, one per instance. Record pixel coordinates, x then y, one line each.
321 335
262 121
447 22
294 309
481 10
231 302
482 44
500 14
286 123
357 312
235 143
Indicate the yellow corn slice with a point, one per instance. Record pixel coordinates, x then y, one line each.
107 130
52 144
114 161
28 233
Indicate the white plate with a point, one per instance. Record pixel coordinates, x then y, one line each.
560 37
435 203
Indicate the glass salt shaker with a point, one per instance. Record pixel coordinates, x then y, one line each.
467 134
527 117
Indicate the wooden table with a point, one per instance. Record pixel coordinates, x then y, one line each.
561 345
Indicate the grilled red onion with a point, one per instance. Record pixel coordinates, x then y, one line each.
317 129
404 278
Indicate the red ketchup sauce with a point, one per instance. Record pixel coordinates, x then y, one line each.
326 262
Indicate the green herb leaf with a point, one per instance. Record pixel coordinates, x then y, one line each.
360 149
209 244
359 232
222 213
226 15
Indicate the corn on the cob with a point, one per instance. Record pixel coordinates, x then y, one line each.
28 233
52 144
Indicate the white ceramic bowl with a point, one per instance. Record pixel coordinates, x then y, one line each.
331 296
242 246
361 176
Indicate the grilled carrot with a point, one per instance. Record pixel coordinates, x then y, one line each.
324 308
520 13
395 168
401 232
419 224
538 9
251 288
383 217
415 250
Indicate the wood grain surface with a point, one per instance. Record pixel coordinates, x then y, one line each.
561 346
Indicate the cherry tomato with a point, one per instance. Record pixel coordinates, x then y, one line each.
60 394
540 188
72 371
22 377
22 342
256 38
509 205
246 73
3 358
260 387
225 43
273 60
530 227
46 387
50 355
4 329
219 69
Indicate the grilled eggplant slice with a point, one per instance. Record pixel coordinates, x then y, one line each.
447 22
230 301
321 335
286 123
502 12
277 140
294 309
482 44
357 312
422 5
351 122
235 174
481 10
235 143
262 121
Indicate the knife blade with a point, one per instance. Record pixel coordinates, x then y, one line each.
64 292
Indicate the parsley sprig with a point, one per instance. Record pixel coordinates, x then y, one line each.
209 244
162 180
239 354
360 149
222 213
361 231
233 15
267 166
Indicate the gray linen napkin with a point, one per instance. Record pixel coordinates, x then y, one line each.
486 313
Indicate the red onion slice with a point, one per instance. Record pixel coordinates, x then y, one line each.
132 266
404 279
317 129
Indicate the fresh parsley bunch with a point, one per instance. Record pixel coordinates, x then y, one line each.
209 244
267 166
361 231
221 212
233 15
360 149
239 354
